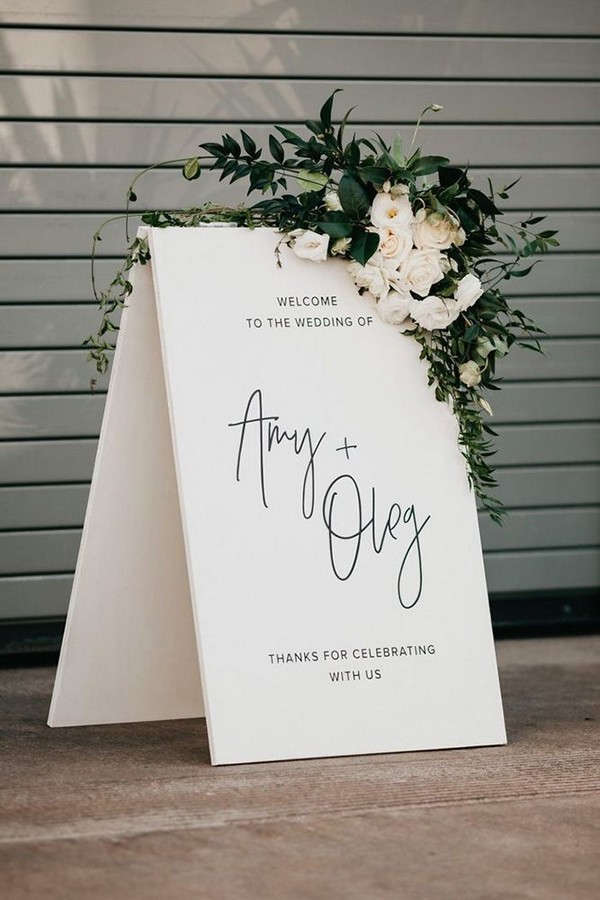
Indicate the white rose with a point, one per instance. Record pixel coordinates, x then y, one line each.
394 244
310 245
397 282
393 308
332 200
468 291
435 230
423 268
372 277
391 212
434 313
470 373
340 245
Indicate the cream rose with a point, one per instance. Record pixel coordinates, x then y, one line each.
371 276
468 291
436 230
340 246
393 308
391 212
470 373
332 200
310 245
434 313
421 269
394 244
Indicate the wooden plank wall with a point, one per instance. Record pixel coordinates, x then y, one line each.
92 92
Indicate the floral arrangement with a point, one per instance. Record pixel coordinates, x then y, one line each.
423 245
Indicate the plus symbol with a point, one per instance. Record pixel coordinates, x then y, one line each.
346 447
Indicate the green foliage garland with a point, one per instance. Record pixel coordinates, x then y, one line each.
338 184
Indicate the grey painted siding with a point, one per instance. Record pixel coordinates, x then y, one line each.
89 93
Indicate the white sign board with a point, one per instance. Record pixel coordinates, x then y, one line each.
280 529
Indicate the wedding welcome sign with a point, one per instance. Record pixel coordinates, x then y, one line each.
280 533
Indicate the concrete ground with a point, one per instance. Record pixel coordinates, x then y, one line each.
135 812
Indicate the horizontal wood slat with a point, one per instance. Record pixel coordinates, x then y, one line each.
54 371
187 99
412 17
547 402
137 144
38 462
69 280
557 571
38 552
110 52
563 316
64 234
555 486
29 596
47 372
535 529
63 505
561 359
72 189
32 418
566 442
43 506
34 325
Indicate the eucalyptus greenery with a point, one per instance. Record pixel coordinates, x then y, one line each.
355 170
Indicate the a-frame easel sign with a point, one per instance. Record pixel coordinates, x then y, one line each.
280 533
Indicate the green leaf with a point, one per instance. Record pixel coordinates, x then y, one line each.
354 197
450 175
291 137
352 153
363 246
191 169
315 126
249 145
242 170
509 187
467 220
231 146
132 196
342 127
374 174
276 149
397 151
426 165
326 109
312 181
472 332
213 149
228 168
484 203
336 225
151 218
522 272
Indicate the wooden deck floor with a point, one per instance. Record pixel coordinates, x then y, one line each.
136 812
